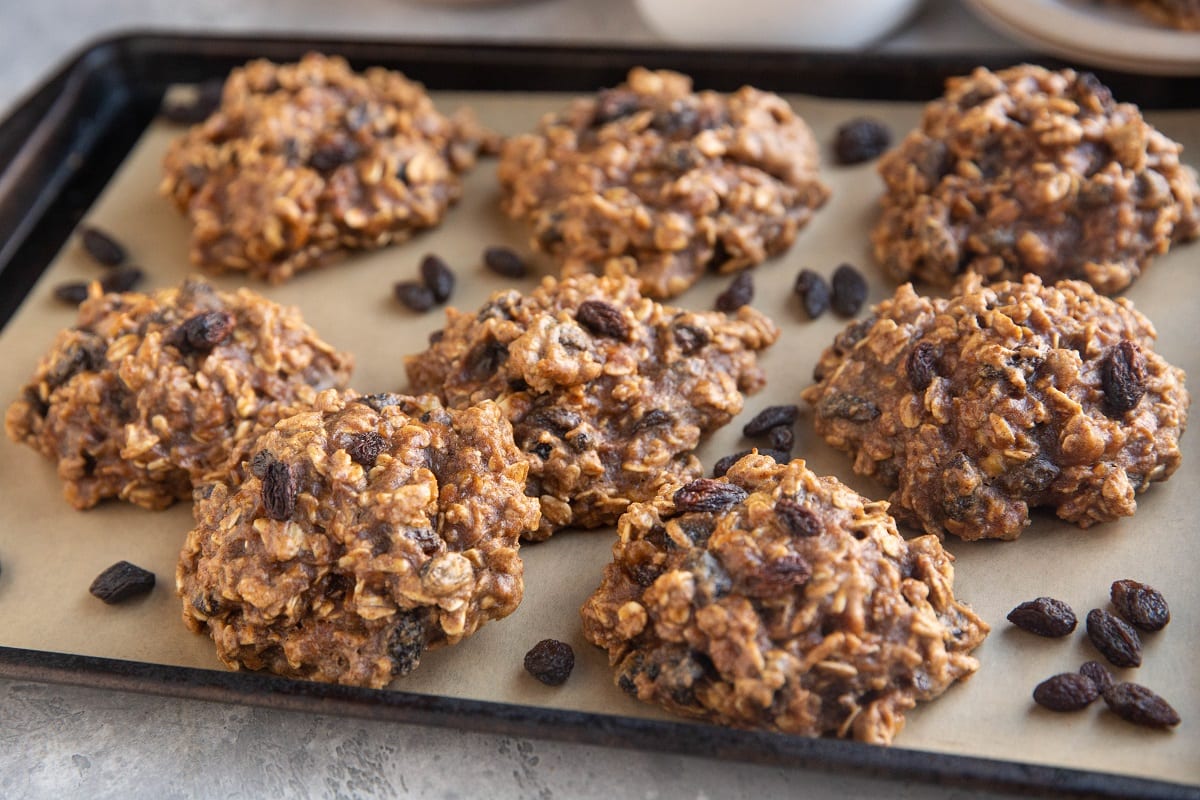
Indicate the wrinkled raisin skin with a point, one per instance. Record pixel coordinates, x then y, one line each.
1116 640
279 491
861 139
849 407
779 575
406 642
1139 705
725 462
739 293
203 332
504 261
364 448
1098 674
849 290
603 319
781 438
437 277
770 417
1044 616
414 296
71 293
813 291
1143 606
103 248
1123 377
797 519
922 366
705 494
1067 691
550 661
122 581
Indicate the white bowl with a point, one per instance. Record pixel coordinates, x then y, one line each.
809 24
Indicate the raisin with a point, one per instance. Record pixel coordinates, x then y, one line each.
705 494
861 139
406 642
779 456
781 438
690 338
122 581
613 104
559 421
1044 616
847 406
86 355
1067 691
1098 674
279 491
652 419
724 463
1089 84
542 450
849 290
1144 606
504 261
770 417
739 293
413 295
779 575
438 277
379 401
550 661
197 108
121 279
797 519
603 319
71 293
1137 704
329 156
365 447
709 575
1031 478
1114 638
259 463
103 248
1123 377
922 366
813 291
203 332
485 358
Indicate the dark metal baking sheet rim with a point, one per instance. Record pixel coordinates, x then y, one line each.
62 143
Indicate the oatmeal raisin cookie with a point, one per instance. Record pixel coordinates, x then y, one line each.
303 162
670 181
1029 170
366 531
150 393
1001 398
608 392
776 599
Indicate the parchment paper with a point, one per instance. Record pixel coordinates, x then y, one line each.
50 553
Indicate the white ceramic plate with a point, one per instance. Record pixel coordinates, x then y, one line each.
1099 34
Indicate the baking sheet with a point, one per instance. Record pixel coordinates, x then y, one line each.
49 553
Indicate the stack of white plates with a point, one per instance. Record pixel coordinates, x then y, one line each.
1103 34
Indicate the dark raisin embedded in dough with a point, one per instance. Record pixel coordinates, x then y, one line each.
121 279
413 295
1139 705
849 290
331 155
379 401
603 319
771 417
613 104
203 332
725 462
504 261
690 338
438 277
797 519
709 575
259 463
279 491
739 293
861 139
406 642
848 406
1044 616
71 293
550 661
705 494
1144 606
1098 674
103 248
542 450
779 575
653 418
1123 377
813 291
1067 691
364 448
922 366
122 581
1114 638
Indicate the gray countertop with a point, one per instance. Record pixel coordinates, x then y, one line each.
63 741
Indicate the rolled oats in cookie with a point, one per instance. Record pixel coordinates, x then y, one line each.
669 181
367 531
608 391
303 162
1001 398
149 394
1029 170
786 602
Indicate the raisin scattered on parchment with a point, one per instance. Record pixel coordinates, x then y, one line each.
365 447
739 293
203 332
1135 703
1143 606
813 291
550 661
704 494
781 438
103 248
797 519
1114 638
1067 691
1044 616
121 279
603 319
860 139
771 417
1123 377
279 491
1098 674
504 261
71 293
413 295
922 366
849 290
122 581
438 277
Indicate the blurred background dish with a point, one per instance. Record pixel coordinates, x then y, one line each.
812 24
1096 34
